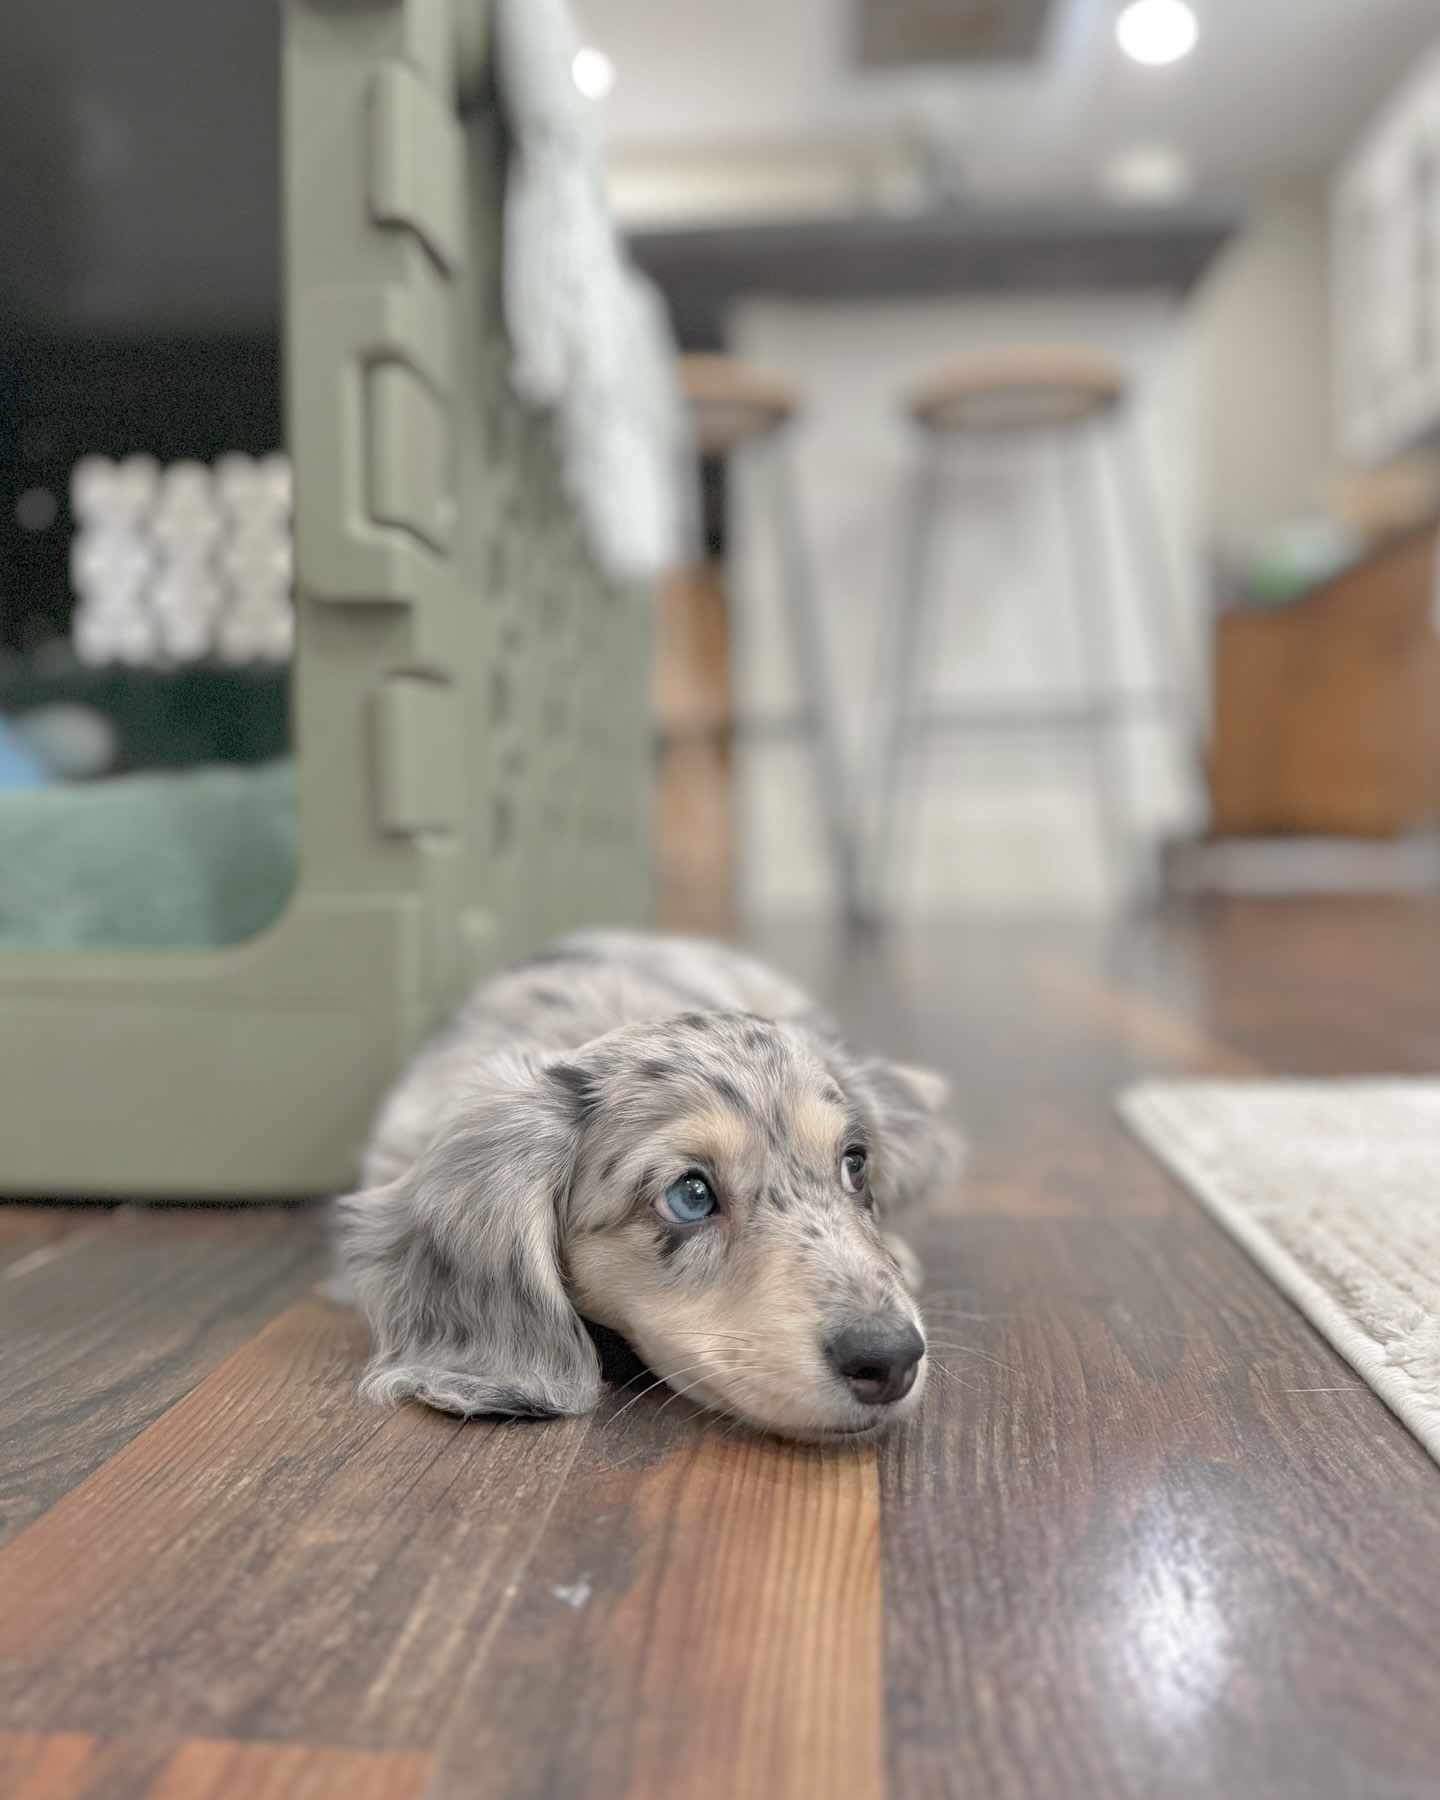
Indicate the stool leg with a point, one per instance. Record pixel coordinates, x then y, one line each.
812 666
1092 573
1169 643
900 684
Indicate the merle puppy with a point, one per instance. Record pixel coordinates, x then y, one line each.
664 1137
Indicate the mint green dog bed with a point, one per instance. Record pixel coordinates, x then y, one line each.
187 861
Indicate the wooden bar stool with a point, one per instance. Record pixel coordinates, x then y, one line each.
741 411
1072 400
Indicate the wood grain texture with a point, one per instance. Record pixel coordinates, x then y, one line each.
77 1766
220 1771
1325 716
107 1323
1193 1553
28 1232
302 1566
1140 1557
1304 987
708 1624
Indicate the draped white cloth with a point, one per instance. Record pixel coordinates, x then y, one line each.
590 337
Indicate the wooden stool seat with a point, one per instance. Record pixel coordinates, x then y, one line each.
732 403
1021 387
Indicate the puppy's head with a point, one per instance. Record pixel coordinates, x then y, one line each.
710 1186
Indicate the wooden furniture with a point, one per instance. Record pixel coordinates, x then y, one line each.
694 835
1021 387
733 404
1327 711
1150 1538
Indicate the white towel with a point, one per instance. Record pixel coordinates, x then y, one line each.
590 337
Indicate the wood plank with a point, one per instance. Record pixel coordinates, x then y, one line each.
1341 986
297 1566
101 1329
1171 1546
219 1771
34 1766
712 1620
1196 1555
293 1564
75 1766
27 1231
78 1766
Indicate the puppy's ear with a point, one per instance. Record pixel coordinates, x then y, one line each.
920 1149
457 1264
922 1088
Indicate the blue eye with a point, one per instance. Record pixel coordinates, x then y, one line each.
689 1200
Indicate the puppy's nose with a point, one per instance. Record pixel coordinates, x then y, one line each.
877 1359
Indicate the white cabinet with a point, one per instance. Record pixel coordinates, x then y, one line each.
1387 278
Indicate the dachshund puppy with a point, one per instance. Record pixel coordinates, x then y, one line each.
664 1137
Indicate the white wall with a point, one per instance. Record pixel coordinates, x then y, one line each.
1260 327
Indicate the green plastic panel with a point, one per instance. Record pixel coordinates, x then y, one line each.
470 697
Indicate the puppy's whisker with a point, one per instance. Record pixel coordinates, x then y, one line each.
950 1375
640 1376
952 1300
963 1320
735 1372
739 1337
659 1381
939 1312
970 1350
706 1368
680 1393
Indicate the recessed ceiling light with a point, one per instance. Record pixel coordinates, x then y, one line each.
593 72
1148 175
1157 31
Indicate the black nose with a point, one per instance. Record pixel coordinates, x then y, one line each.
877 1359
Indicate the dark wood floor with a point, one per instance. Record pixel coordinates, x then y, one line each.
1150 1536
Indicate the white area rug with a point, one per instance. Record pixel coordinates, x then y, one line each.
1334 1189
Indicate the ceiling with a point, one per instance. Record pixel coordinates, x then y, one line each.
138 167
1276 88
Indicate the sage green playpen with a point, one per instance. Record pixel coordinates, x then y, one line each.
471 715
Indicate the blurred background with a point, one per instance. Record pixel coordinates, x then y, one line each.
1065 375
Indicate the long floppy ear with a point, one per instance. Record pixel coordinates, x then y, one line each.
457 1264
920 1149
